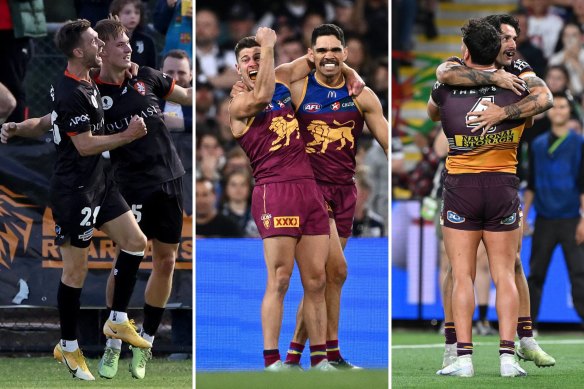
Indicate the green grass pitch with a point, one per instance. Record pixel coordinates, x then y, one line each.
364 379
45 372
416 356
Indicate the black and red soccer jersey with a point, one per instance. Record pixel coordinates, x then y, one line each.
152 159
76 109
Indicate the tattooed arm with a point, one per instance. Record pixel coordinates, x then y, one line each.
539 100
454 73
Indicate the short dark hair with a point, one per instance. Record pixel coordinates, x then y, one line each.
327 29
109 29
245 43
69 35
178 54
497 20
482 40
561 94
562 68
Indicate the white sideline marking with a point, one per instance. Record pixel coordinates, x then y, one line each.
441 345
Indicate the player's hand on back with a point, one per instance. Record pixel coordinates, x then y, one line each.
266 37
509 81
8 131
132 71
355 84
237 88
136 129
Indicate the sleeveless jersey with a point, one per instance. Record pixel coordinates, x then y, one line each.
152 159
76 109
330 123
273 144
470 152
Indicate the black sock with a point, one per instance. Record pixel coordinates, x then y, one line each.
125 275
483 312
69 302
152 319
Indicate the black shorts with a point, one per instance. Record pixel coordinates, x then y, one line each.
481 201
77 214
158 210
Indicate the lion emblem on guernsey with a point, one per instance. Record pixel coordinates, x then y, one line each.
325 134
284 129
15 227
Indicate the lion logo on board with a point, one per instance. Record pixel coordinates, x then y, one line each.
324 134
284 129
15 227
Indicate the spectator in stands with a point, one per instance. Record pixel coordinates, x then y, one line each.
209 222
358 59
288 49
19 21
556 191
223 126
241 22
578 12
131 15
526 50
544 26
174 20
216 64
309 23
236 202
210 157
557 78
572 57
7 103
204 105
366 223
92 10
177 64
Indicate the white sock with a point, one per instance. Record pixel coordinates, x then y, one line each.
118 317
147 337
114 343
69 345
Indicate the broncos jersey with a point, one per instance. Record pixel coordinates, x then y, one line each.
76 109
273 144
152 159
470 152
518 67
331 122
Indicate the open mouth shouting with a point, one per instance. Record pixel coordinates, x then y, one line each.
509 54
253 74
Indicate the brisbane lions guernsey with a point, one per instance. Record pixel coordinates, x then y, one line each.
470 152
330 123
152 159
273 144
76 109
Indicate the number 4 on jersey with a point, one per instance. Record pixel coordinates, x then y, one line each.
478 107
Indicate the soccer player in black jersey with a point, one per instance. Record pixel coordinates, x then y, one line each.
81 195
149 173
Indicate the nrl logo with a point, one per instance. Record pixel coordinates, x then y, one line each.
14 227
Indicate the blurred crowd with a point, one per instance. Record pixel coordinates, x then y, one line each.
224 182
550 41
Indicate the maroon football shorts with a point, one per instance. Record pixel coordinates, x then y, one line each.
292 208
342 200
481 201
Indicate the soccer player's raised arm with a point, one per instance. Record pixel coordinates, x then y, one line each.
454 73
248 104
30 128
180 95
373 115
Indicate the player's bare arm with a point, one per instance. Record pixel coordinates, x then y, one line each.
301 67
539 100
180 95
432 110
373 115
454 73
261 64
88 144
30 128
